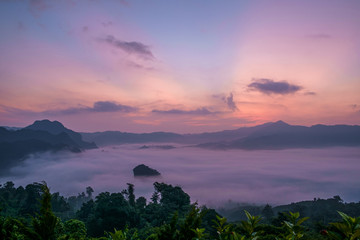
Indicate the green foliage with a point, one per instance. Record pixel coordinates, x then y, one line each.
188 228
33 195
172 198
131 195
113 216
348 229
11 229
44 224
59 204
140 203
25 202
108 212
294 228
225 231
123 235
321 211
166 200
167 231
250 227
199 234
208 218
89 191
73 229
268 213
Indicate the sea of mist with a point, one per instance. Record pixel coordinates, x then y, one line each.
209 177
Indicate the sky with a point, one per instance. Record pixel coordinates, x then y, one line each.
180 66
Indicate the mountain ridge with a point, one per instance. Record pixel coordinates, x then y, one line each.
272 135
41 136
55 127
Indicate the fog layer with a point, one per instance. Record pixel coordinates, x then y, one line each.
209 177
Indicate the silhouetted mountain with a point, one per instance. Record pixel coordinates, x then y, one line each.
115 137
16 145
27 134
145 171
13 153
280 135
56 127
318 210
226 135
41 136
277 135
163 147
11 128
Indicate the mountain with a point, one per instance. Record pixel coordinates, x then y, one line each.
11 128
320 211
56 127
273 135
280 135
145 171
41 136
115 137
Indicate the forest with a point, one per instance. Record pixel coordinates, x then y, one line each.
33 212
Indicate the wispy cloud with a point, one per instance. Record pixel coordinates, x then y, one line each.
106 106
101 106
16 111
133 47
139 66
269 86
198 111
98 107
227 99
230 102
310 93
354 106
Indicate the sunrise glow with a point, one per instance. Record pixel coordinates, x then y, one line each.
181 66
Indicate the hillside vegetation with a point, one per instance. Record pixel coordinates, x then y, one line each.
34 213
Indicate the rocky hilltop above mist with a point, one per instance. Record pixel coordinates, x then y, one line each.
41 136
56 128
145 171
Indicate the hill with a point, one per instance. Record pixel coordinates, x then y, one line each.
41 136
145 171
56 128
277 135
320 211
280 135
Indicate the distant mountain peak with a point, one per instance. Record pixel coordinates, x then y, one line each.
48 122
280 123
54 127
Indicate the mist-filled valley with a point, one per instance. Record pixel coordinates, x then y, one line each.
164 185
209 177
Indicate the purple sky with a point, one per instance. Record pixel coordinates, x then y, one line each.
183 66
